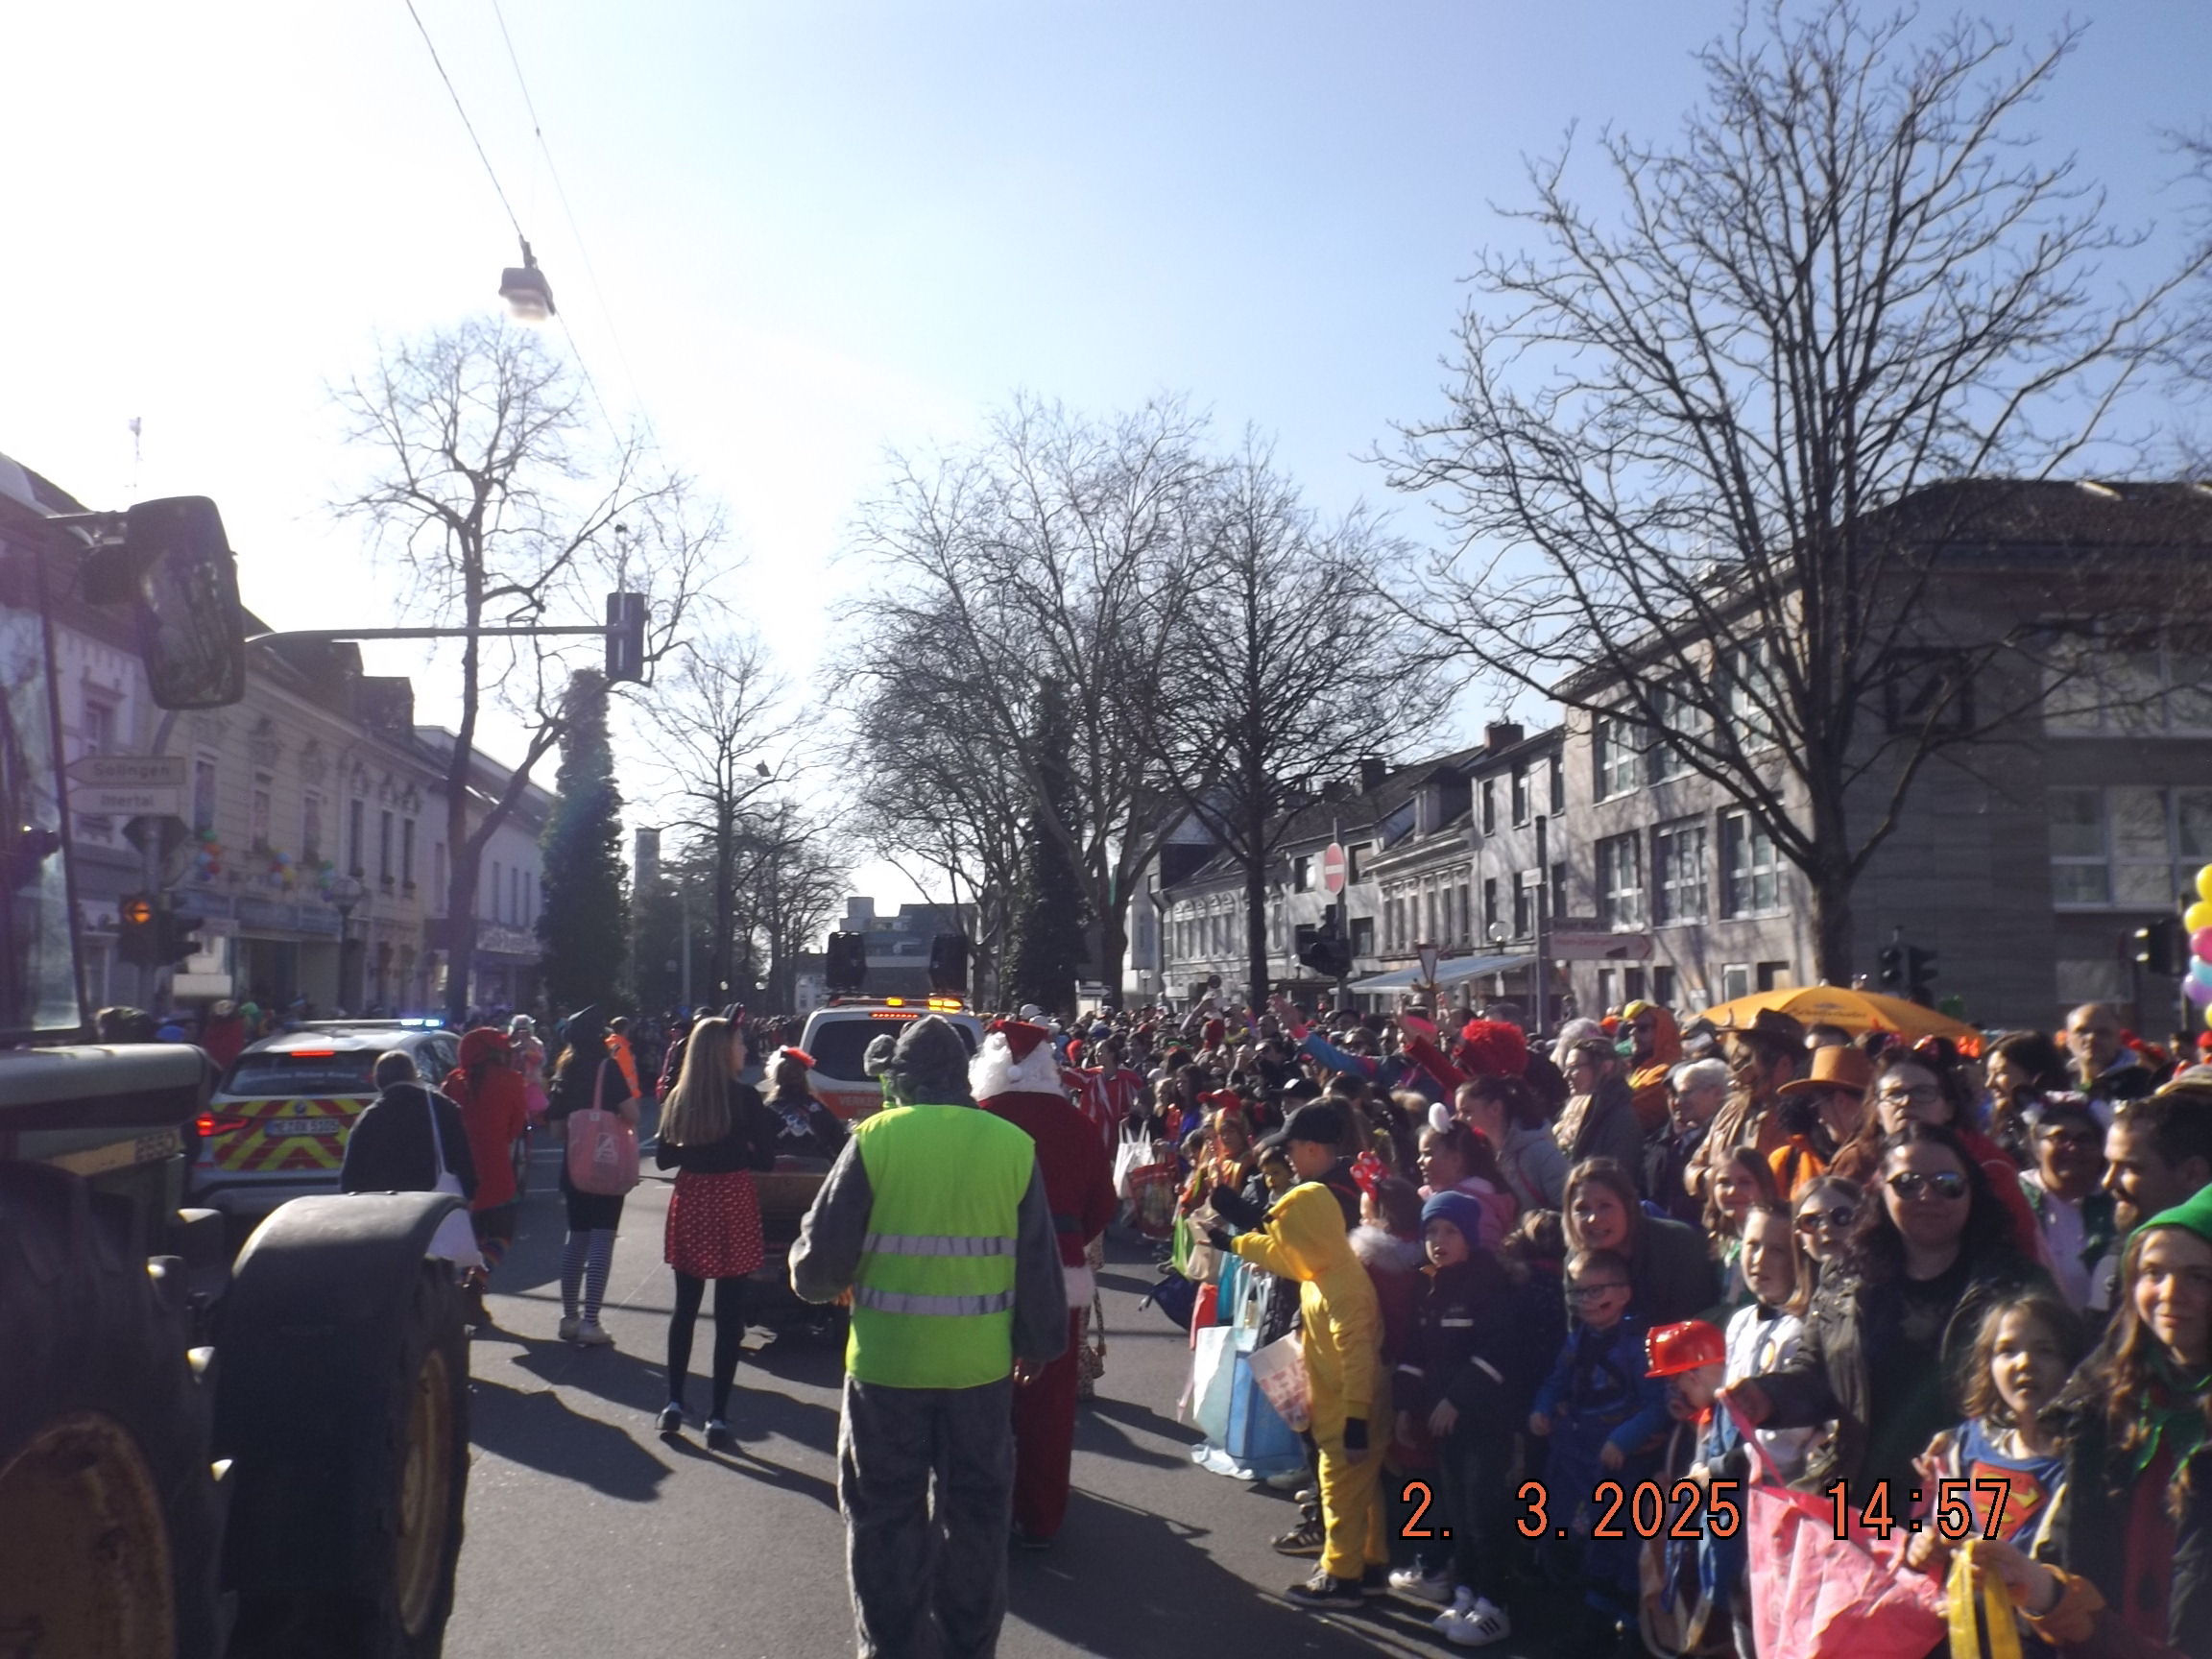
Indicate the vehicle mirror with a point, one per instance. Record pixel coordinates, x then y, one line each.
191 627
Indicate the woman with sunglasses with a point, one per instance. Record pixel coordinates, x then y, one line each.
1893 1319
1924 1085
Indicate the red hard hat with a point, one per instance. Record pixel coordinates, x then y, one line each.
1675 1349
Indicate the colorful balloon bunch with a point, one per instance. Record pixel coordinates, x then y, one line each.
2197 919
207 857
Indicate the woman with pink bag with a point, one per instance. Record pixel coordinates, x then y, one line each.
587 1080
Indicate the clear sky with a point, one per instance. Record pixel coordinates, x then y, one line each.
822 230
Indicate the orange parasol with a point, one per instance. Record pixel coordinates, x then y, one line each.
1855 1011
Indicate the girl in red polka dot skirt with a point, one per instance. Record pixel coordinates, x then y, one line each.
714 1132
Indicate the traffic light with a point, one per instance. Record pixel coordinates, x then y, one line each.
1892 960
626 636
2163 946
138 919
1324 950
1919 972
845 968
179 937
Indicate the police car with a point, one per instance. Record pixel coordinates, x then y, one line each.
276 1128
838 1035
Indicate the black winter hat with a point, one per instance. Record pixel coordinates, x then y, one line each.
929 1067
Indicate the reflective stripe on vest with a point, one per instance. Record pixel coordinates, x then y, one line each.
932 1306
933 1292
936 1244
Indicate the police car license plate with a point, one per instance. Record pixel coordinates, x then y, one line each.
300 1126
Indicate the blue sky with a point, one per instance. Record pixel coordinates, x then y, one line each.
821 230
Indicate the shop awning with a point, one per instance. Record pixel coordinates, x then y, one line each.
1451 970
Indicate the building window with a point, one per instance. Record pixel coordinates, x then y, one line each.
1521 801
257 823
407 853
1749 693
1489 806
1467 910
1620 881
1631 984
1558 889
1556 767
311 828
1751 872
1663 986
2130 847
1363 935
1356 864
204 792
1735 980
357 837
2136 689
1605 1002
98 731
1775 976
1681 723
1524 888
492 896
385 869
1613 745
1301 875
1679 871
1489 904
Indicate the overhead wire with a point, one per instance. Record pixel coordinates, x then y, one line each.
576 230
462 111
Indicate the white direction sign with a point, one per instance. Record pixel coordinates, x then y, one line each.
1598 947
128 785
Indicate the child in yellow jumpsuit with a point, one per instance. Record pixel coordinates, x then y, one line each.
1305 1239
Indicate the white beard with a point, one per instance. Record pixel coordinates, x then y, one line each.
995 1071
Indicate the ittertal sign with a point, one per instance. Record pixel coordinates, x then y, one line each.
126 785
1567 945
1334 864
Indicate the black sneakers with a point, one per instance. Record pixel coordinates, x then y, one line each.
1302 1539
1323 1591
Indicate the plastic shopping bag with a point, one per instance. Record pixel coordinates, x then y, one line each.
1280 1370
1213 1381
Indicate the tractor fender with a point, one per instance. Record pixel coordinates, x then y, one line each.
310 1333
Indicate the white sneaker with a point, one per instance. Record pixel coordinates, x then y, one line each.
588 1335
1480 1625
1462 1604
1423 1586
568 1327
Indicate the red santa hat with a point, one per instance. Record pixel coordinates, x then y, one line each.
1016 1058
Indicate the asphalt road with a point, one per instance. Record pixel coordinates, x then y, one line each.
589 1535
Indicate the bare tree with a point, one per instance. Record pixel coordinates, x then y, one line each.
798 867
932 795
712 726
1041 555
1692 452
1278 625
487 490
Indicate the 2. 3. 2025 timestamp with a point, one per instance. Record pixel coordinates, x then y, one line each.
1650 1509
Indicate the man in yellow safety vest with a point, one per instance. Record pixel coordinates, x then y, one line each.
935 1218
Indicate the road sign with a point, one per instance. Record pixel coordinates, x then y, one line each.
1428 954
126 785
1568 946
1334 865
129 771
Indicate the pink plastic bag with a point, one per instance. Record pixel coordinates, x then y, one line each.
602 1149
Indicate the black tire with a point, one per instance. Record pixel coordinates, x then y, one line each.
404 1616
97 1343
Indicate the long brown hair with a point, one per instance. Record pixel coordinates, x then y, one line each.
2122 1373
697 1110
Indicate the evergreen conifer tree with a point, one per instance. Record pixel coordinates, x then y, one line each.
584 918
1045 950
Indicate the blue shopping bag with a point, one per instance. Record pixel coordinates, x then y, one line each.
1258 1436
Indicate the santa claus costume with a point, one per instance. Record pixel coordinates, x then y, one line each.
1016 1075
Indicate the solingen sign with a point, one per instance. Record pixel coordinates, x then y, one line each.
1569 944
126 785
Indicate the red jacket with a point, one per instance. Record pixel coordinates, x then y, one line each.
493 1116
1078 1184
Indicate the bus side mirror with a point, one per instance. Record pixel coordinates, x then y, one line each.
191 628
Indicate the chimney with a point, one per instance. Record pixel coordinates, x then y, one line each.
1373 769
1500 735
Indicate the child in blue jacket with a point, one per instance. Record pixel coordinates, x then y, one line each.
1604 1419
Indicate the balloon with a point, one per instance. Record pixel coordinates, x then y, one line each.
2197 991
2198 916
2200 973
2204 883
2201 943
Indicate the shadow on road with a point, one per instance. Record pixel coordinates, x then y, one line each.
1165 1598
754 1467
538 1431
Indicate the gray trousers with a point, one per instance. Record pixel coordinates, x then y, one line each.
926 1563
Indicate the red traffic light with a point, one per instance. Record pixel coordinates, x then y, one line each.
136 911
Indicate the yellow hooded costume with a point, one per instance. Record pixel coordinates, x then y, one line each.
1342 1323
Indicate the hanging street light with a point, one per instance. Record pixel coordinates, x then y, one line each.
524 288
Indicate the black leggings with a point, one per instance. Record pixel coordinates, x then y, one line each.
730 1304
